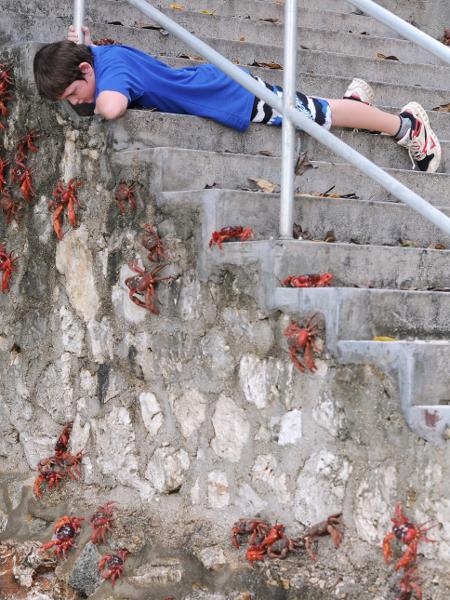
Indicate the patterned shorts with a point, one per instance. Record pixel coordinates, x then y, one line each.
316 109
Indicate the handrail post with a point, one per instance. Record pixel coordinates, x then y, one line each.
288 137
78 18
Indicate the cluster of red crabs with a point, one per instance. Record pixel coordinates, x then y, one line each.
265 540
52 472
409 534
300 338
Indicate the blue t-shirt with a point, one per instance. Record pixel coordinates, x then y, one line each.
203 90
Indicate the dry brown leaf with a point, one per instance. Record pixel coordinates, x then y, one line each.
442 108
273 20
175 6
384 57
329 237
303 164
267 65
242 39
438 246
191 56
265 186
207 12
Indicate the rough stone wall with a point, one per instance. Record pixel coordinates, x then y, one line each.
190 419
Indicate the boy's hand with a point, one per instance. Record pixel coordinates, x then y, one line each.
73 37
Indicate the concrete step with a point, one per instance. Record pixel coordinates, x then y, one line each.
365 266
363 314
171 169
379 148
352 221
258 12
423 376
21 27
143 128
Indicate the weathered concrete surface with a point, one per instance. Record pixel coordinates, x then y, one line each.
194 418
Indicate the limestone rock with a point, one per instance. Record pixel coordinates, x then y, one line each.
290 428
72 333
248 500
330 416
231 430
101 340
267 470
374 503
167 469
189 410
85 577
218 489
212 557
151 412
321 487
74 261
158 571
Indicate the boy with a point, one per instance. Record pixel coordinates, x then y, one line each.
118 77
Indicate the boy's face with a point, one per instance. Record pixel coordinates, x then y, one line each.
81 91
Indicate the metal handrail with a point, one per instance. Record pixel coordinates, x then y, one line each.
389 183
405 29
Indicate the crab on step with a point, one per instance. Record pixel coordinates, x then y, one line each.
310 280
65 530
302 339
230 233
153 243
114 565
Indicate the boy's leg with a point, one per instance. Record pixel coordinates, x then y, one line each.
348 113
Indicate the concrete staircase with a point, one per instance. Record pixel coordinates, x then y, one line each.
382 288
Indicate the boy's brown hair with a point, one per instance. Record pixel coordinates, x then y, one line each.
56 67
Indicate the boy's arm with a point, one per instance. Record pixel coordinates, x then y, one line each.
111 105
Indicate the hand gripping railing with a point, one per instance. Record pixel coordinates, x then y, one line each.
286 108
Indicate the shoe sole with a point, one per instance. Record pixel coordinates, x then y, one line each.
355 83
422 114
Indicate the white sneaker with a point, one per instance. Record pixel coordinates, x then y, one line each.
420 140
361 91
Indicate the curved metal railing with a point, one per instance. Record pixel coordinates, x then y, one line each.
292 117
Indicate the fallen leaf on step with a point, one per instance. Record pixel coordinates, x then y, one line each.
384 57
207 12
191 56
303 164
443 108
384 338
438 246
267 65
329 237
242 39
351 196
407 243
265 186
271 20
265 153
446 37
175 6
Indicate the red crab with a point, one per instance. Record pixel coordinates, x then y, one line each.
101 522
230 233
409 534
258 551
3 165
409 586
311 280
65 529
143 284
248 527
26 187
11 208
153 243
302 338
114 564
125 193
50 473
327 527
62 443
281 547
64 197
6 267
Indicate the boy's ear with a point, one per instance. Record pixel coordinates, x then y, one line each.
85 68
